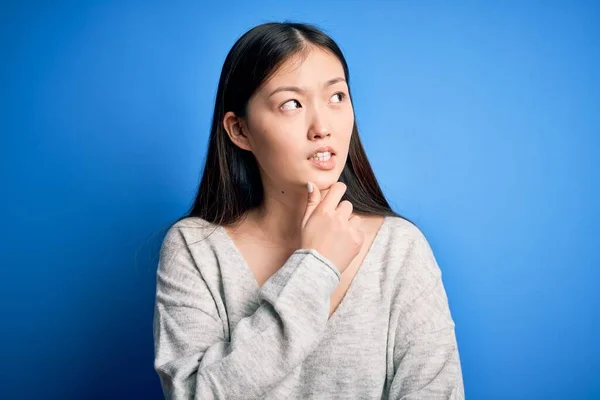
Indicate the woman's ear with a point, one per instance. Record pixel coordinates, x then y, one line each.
237 130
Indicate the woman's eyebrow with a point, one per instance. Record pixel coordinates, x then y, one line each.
300 90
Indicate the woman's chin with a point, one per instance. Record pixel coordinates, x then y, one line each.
323 182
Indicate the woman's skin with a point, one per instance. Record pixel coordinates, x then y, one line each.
284 129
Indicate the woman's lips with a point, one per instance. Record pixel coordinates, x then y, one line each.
324 165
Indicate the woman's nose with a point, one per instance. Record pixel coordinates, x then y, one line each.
318 127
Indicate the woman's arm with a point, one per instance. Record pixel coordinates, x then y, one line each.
426 358
193 358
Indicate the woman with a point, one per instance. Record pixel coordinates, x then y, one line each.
291 277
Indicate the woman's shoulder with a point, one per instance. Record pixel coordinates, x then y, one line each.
190 244
402 230
408 250
192 223
187 231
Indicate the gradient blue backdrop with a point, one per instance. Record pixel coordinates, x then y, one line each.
481 121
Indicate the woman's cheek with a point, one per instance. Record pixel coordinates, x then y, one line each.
349 121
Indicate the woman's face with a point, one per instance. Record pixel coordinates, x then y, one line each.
303 106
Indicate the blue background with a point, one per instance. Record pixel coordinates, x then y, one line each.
481 121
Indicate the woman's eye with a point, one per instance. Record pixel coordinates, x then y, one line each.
285 105
340 96
289 105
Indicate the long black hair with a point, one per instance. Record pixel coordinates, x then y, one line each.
231 184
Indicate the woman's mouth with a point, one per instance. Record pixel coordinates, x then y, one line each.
324 161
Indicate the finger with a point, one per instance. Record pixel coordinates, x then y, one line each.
333 196
314 199
345 209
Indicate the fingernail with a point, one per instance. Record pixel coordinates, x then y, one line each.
309 187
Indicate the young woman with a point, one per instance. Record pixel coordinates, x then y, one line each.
291 277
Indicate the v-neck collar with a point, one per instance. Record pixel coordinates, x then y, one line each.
341 306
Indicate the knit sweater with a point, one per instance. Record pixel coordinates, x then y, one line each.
219 335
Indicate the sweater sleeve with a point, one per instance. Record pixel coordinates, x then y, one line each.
192 356
426 358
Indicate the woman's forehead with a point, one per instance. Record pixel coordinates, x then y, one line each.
312 70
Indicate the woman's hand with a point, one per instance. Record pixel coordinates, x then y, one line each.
329 227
